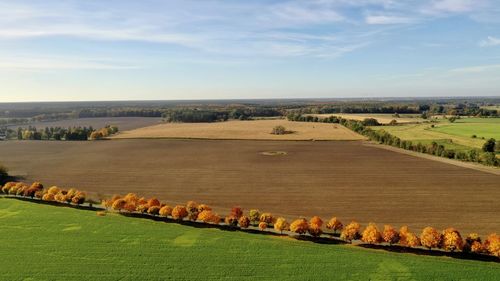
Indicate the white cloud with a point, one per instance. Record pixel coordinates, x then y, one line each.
454 6
387 20
490 41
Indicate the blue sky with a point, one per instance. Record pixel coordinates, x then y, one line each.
209 49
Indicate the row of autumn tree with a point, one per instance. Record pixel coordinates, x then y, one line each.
37 190
449 239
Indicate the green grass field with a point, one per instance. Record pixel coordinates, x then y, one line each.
42 242
457 135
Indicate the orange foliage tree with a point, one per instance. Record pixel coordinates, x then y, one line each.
430 238
153 202
118 204
263 225
179 212
350 232
452 240
208 216
204 207
244 222
334 224
299 226
473 244
371 234
154 210
390 235
237 212
315 224
412 240
231 220
492 244
165 211
281 224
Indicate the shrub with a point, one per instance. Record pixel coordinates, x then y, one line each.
430 238
263 225
165 211
334 224
350 232
101 213
244 221
278 130
179 212
299 226
390 235
452 240
371 234
489 146
281 224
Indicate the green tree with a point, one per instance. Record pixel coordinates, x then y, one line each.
489 145
3 174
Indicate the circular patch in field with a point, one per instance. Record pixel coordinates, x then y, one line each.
274 153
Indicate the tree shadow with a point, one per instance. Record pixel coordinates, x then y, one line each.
432 252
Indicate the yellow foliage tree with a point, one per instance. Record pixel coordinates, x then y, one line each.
350 232
412 240
143 208
299 226
179 212
430 238
119 204
192 207
54 190
48 197
267 218
254 215
492 245
334 224
165 211
452 240
390 235
371 234
281 224
208 216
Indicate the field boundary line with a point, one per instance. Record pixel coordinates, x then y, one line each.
228 139
470 165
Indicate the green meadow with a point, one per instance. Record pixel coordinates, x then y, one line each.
456 135
43 242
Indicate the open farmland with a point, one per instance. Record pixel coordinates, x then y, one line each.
121 248
348 179
460 132
123 123
381 118
251 130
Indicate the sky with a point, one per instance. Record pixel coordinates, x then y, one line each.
235 49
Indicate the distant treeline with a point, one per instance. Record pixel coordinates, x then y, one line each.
192 115
486 156
66 134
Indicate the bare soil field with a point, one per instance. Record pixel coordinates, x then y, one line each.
348 179
249 130
123 123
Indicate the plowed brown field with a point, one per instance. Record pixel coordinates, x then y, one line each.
347 179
